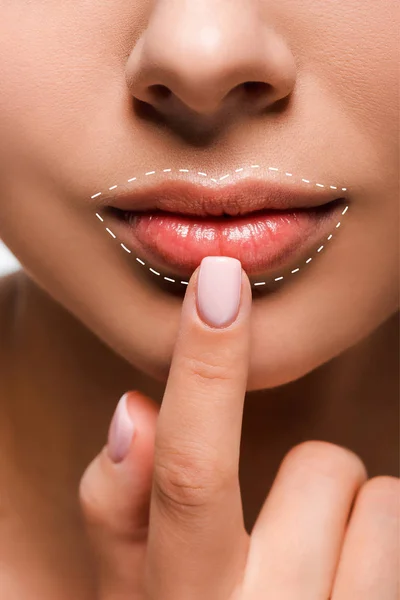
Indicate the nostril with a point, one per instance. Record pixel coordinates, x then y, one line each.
255 89
160 91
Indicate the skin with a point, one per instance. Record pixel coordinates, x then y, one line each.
78 324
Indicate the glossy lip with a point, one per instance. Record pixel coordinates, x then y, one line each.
240 198
279 238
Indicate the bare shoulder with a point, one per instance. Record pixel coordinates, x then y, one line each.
8 286
8 303
9 310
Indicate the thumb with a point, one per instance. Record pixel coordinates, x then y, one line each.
114 495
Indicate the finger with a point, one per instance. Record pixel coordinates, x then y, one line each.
197 541
114 493
369 567
296 540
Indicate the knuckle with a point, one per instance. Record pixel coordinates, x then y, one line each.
189 480
208 367
327 460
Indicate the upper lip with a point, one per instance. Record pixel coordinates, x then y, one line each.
243 197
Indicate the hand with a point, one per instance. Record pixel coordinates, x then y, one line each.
163 507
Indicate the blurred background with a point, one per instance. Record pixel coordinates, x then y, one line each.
8 262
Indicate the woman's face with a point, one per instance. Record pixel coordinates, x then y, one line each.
94 94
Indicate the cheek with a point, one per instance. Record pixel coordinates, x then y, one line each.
63 83
350 47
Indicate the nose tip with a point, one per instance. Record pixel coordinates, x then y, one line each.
208 61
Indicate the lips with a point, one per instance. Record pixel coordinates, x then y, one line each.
244 197
266 225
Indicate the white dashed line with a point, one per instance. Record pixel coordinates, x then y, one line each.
239 170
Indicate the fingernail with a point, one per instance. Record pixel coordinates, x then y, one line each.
218 290
120 433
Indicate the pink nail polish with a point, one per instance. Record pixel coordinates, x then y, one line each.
218 290
120 433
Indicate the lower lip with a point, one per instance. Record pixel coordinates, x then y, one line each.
262 242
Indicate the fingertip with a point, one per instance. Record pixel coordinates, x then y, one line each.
219 289
121 431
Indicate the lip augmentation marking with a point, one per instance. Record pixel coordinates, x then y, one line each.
223 178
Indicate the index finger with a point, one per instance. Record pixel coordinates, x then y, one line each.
196 531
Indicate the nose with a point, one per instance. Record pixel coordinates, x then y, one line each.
209 57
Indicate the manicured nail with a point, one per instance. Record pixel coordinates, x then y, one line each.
120 433
218 290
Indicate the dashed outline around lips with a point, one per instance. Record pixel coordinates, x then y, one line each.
170 279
